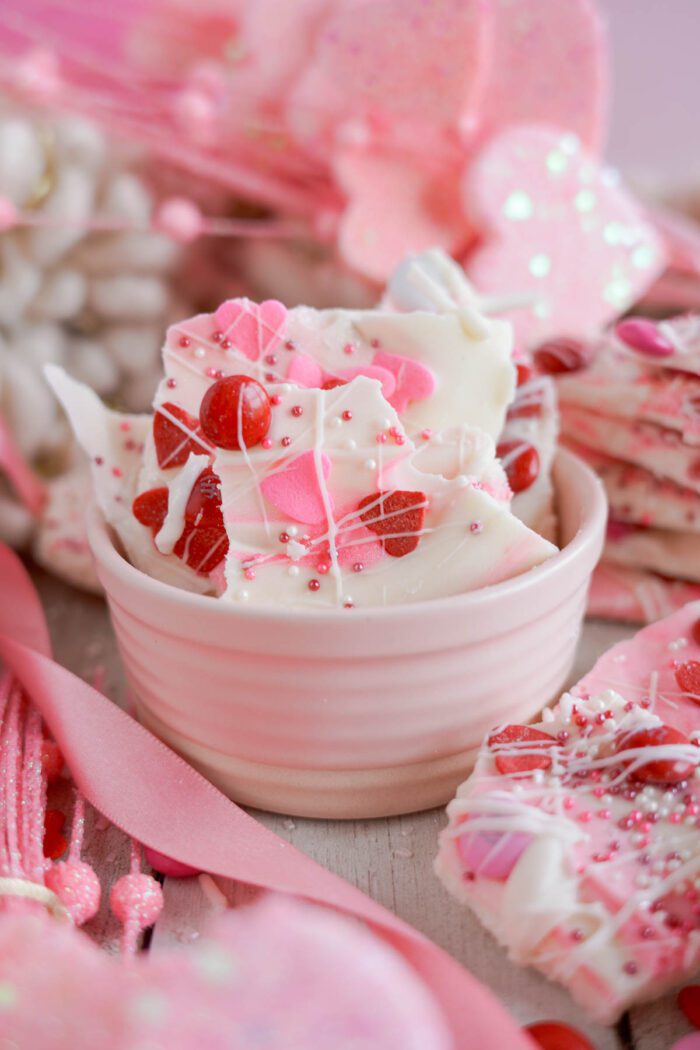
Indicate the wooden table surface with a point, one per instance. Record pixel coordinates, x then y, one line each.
390 859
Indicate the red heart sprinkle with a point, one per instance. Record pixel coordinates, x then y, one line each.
550 1035
561 355
203 543
660 770
151 508
397 518
521 463
54 843
235 412
689 1003
175 440
688 678
519 759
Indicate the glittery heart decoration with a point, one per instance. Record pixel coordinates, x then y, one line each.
254 329
565 85
296 490
419 61
394 209
331 984
560 227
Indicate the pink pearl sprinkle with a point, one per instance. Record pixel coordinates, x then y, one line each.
358 566
286 442
266 442
289 345
400 439
117 471
249 574
284 537
171 383
475 527
426 434
675 818
217 336
270 359
322 567
568 802
275 399
180 219
585 816
348 603
381 438
347 415
643 335
184 342
99 460
630 968
226 344
314 585
297 411
348 348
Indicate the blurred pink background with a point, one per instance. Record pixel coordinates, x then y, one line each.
655 128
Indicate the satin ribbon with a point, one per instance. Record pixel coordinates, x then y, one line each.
24 481
151 793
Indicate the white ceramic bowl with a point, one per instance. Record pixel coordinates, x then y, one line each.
360 714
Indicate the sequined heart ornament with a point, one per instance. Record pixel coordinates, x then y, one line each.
560 227
275 974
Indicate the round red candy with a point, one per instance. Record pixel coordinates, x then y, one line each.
689 1003
688 678
657 770
522 464
561 355
695 632
519 757
550 1035
235 413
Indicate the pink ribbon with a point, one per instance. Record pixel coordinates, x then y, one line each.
148 791
25 482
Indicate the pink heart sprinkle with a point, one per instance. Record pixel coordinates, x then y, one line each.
252 328
296 490
644 335
414 382
305 371
384 375
492 854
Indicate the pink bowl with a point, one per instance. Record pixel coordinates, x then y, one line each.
362 715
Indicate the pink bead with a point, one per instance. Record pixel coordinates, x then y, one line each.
644 335
77 887
8 214
172 869
136 896
179 218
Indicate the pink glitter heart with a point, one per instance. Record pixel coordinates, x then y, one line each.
395 209
253 329
564 85
296 490
560 227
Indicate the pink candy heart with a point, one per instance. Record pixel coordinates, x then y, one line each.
414 381
557 226
296 490
253 329
492 854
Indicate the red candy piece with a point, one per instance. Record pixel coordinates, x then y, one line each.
695 632
397 518
235 413
550 1035
522 464
54 843
203 543
689 1003
175 441
524 372
525 409
151 508
331 384
520 759
659 770
561 355
51 760
688 677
